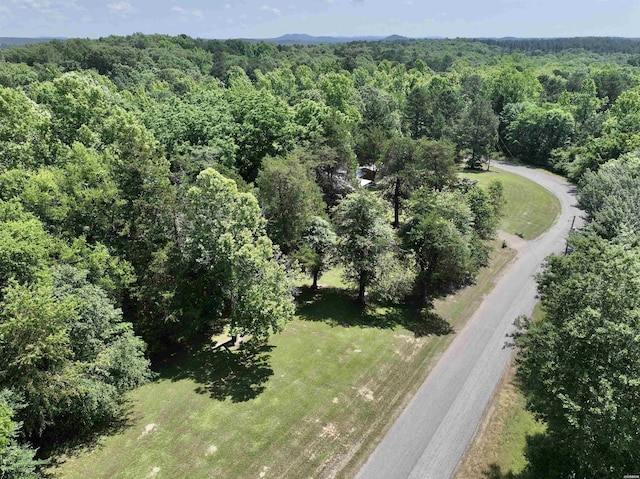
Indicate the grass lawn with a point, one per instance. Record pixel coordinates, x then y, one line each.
498 449
313 402
310 403
529 210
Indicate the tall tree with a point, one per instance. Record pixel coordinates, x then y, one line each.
230 262
579 367
318 247
363 237
440 235
24 131
400 171
611 197
289 197
380 121
537 131
478 129
17 460
408 164
512 84
433 110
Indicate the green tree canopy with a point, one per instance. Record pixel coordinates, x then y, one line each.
231 262
440 234
579 367
363 237
318 247
289 197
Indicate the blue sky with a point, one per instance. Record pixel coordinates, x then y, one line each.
271 18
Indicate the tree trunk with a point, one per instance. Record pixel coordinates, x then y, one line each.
316 273
361 290
396 205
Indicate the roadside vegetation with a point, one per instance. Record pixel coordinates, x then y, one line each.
157 192
567 405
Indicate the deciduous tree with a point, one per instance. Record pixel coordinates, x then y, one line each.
579 367
289 197
363 237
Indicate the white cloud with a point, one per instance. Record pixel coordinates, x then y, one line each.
267 8
185 14
227 6
120 7
50 10
37 4
73 5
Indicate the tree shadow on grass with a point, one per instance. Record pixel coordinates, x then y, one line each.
495 472
337 308
239 375
52 447
544 457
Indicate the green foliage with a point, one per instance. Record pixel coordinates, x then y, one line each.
440 235
6 427
34 343
233 264
579 367
512 84
409 164
17 461
536 132
433 110
586 110
478 129
199 118
24 128
27 250
611 197
318 247
289 197
380 120
66 349
263 126
486 207
339 93
395 278
364 237
102 141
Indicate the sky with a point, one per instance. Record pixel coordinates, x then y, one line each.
272 18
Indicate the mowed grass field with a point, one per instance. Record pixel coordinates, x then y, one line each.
313 402
529 211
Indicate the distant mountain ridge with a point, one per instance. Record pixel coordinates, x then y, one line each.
18 41
304 39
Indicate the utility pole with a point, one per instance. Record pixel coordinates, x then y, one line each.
566 249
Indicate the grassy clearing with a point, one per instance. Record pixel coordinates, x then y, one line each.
498 449
311 403
530 209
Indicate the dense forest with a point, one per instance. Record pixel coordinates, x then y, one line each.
156 190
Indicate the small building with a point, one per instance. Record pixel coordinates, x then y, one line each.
366 174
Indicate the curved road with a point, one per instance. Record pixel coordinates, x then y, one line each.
433 432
